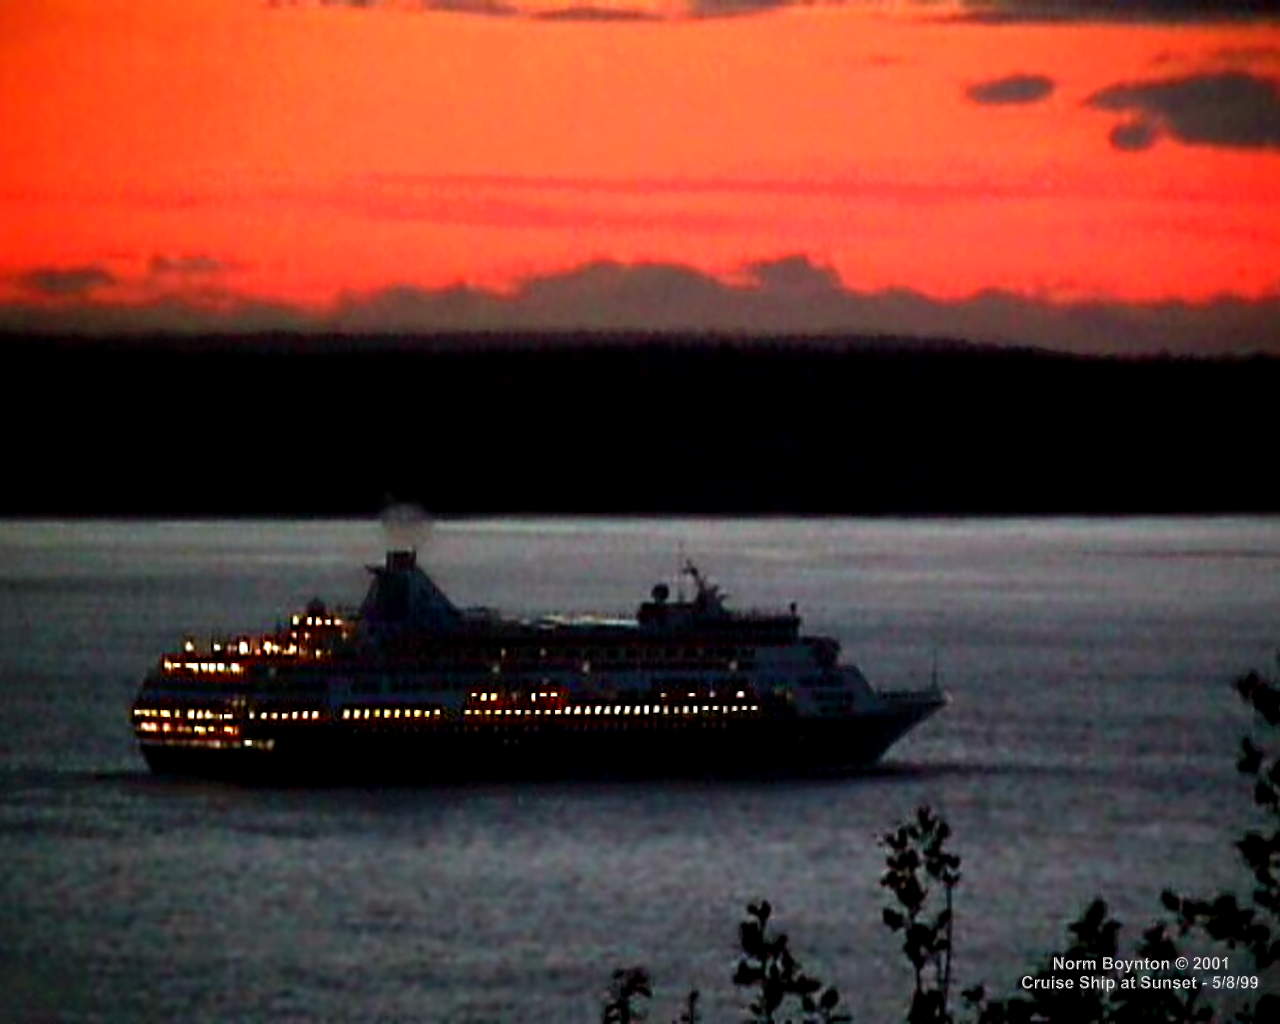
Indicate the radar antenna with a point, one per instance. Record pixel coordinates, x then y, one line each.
708 596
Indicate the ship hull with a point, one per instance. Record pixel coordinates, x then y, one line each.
765 747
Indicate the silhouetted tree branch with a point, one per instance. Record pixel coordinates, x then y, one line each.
1255 928
919 845
768 966
919 867
628 985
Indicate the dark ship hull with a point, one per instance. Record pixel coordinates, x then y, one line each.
763 747
410 689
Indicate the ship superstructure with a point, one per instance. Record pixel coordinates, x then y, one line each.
411 687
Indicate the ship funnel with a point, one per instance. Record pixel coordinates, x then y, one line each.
402 598
398 561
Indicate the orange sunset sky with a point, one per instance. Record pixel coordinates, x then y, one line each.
1039 171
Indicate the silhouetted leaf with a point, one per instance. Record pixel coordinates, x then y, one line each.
747 975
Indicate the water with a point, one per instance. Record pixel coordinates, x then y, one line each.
1089 751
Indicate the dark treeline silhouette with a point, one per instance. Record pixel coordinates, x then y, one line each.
295 424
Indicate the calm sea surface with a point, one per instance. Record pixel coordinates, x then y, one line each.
1089 751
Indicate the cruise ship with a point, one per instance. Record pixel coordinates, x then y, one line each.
410 687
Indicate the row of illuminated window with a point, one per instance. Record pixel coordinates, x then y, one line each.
245 648
234 667
618 709
242 646
348 714
285 716
191 714
213 667
316 620
362 713
237 647
188 729
493 695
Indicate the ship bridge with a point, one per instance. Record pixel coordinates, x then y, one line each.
707 613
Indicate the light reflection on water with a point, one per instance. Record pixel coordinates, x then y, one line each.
1089 750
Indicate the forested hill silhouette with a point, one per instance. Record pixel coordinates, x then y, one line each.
311 424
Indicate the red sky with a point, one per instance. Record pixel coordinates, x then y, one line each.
164 162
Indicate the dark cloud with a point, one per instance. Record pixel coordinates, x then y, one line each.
1249 55
974 10
779 297
587 12
734 8
61 282
792 274
1223 58
495 8
186 265
167 315
323 3
1229 108
1134 135
405 308
794 294
492 8
1120 10
609 295
1011 89
672 298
